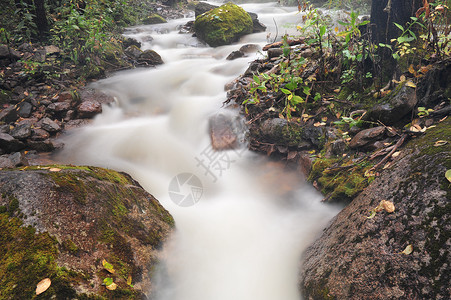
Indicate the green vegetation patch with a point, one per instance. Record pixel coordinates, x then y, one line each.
27 257
223 25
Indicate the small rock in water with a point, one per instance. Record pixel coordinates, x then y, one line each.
89 109
222 133
235 55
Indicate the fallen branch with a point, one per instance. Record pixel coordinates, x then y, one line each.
280 44
397 145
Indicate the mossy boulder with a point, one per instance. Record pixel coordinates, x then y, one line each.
61 222
358 256
154 19
223 25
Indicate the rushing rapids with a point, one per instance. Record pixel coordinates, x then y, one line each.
242 221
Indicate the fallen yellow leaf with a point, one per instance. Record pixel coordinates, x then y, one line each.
112 286
54 169
408 250
109 267
440 143
411 84
43 285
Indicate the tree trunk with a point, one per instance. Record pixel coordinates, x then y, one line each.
41 18
384 13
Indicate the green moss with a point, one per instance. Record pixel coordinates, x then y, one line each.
223 25
27 257
339 180
70 183
154 19
69 246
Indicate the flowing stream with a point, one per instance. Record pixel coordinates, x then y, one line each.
243 238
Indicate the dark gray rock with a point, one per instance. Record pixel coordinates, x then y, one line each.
5 162
131 41
235 55
275 52
257 25
203 7
367 136
25 109
281 132
39 134
150 57
133 51
394 106
250 48
8 52
9 114
10 144
21 132
49 125
361 258
18 159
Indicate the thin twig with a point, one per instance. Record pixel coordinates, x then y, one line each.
397 145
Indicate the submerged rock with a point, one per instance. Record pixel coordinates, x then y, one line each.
400 255
223 25
63 222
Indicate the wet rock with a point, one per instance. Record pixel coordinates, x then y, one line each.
257 26
21 132
8 52
89 109
4 128
18 159
75 218
133 51
223 133
275 52
9 114
223 25
41 145
10 144
5 162
90 94
49 125
58 109
250 48
281 132
131 42
150 57
154 19
25 109
235 55
38 134
394 106
356 257
367 136
203 7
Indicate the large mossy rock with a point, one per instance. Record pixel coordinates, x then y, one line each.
223 25
63 222
359 258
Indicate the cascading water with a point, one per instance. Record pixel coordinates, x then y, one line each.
243 238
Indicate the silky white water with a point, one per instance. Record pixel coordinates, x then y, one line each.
243 239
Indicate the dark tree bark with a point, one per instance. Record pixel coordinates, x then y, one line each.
41 18
384 13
